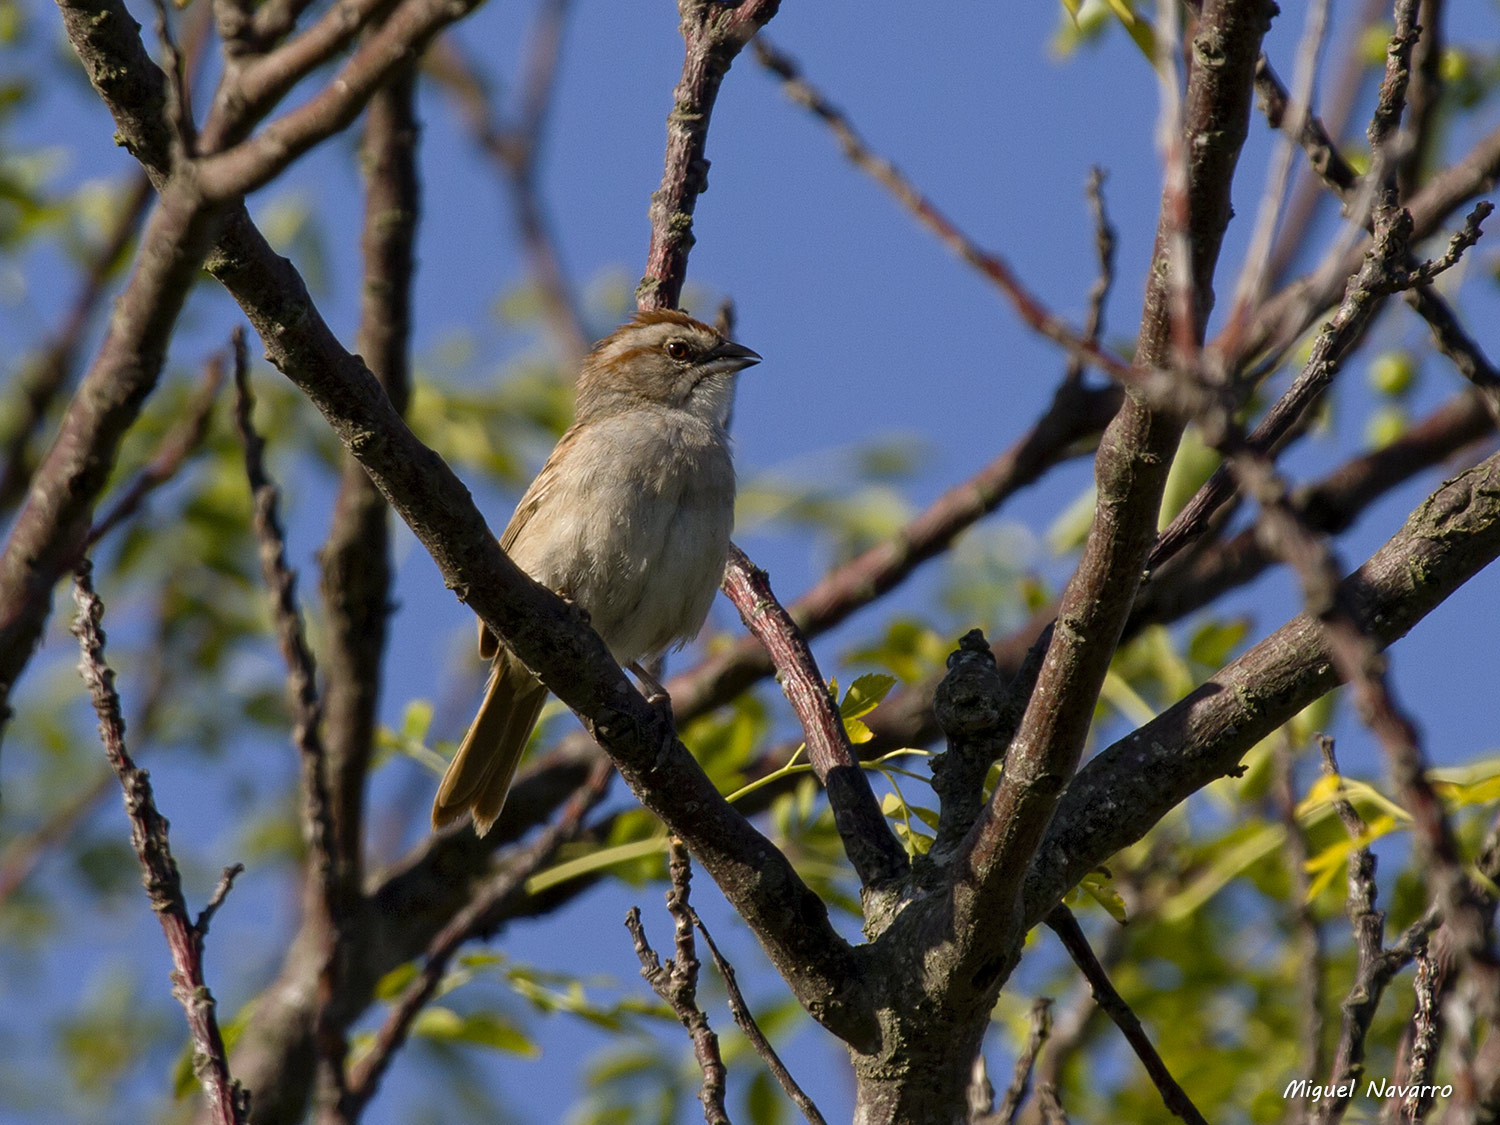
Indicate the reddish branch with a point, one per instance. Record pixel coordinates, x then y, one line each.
229 1103
868 840
713 34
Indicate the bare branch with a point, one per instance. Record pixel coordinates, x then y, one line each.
747 1024
402 36
1066 927
713 34
227 1099
677 982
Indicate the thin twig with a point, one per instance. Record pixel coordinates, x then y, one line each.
1425 1031
1032 311
1066 927
870 844
229 1102
677 982
1370 975
334 900
1309 933
1050 1105
1015 1093
747 1024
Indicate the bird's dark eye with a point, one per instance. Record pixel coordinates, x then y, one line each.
677 349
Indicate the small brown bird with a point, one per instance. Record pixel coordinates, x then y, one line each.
629 519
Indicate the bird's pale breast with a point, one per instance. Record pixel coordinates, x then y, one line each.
637 530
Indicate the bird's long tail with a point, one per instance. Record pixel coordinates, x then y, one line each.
480 774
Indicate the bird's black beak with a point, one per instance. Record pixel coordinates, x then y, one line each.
729 356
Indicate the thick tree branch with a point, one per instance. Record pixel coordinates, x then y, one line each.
400 38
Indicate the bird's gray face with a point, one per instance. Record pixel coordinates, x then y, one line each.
666 359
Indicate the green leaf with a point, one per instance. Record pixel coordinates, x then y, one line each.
395 982
482 1029
416 720
865 694
1100 888
1213 642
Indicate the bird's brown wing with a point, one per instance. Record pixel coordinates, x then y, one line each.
532 499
